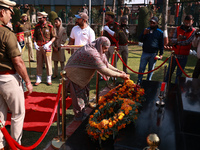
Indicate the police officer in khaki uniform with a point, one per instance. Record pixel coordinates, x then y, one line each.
25 26
11 91
123 41
111 32
44 35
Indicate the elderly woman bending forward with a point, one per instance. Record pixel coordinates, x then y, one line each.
80 69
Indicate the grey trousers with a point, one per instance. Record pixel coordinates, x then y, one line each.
12 97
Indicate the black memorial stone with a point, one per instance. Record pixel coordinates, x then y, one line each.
189 104
152 119
176 123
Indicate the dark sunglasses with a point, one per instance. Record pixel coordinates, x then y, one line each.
151 22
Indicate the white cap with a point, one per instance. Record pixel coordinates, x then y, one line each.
8 4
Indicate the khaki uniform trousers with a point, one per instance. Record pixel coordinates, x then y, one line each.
42 56
12 97
109 53
123 51
29 44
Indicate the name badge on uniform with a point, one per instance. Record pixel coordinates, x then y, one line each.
151 31
127 31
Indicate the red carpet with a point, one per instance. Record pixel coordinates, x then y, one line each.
39 108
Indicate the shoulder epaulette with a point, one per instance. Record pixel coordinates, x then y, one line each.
116 23
50 25
37 25
5 27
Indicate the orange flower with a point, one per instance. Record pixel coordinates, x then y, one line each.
120 99
126 112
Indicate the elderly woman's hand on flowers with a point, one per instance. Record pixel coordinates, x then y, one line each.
124 76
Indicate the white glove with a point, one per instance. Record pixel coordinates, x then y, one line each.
106 28
193 52
46 46
165 34
36 46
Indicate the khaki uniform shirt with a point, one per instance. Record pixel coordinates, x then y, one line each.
23 27
114 26
44 33
126 11
123 35
8 48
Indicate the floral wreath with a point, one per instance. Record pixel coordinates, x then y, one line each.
117 108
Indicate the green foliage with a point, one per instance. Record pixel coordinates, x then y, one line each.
52 16
16 17
95 14
143 20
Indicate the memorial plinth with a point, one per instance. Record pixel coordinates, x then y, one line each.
189 102
176 124
152 119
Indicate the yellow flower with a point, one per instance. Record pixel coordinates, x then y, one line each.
110 124
107 136
120 117
103 138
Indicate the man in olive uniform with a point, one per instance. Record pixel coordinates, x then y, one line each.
111 32
11 66
123 41
43 37
126 12
25 26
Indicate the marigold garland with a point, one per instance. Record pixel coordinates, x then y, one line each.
117 108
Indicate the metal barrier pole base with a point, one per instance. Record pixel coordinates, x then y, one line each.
32 76
56 143
92 104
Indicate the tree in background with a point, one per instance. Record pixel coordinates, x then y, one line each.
143 20
52 16
16 17
95 14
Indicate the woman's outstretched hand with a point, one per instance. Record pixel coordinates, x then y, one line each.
124 76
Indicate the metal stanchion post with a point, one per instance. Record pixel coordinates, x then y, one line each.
97 88
59 141
63 73
58 117
115 64
170 70
153 141
165 70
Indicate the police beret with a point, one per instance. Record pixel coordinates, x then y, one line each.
110 13
8 4
23 15
42 14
